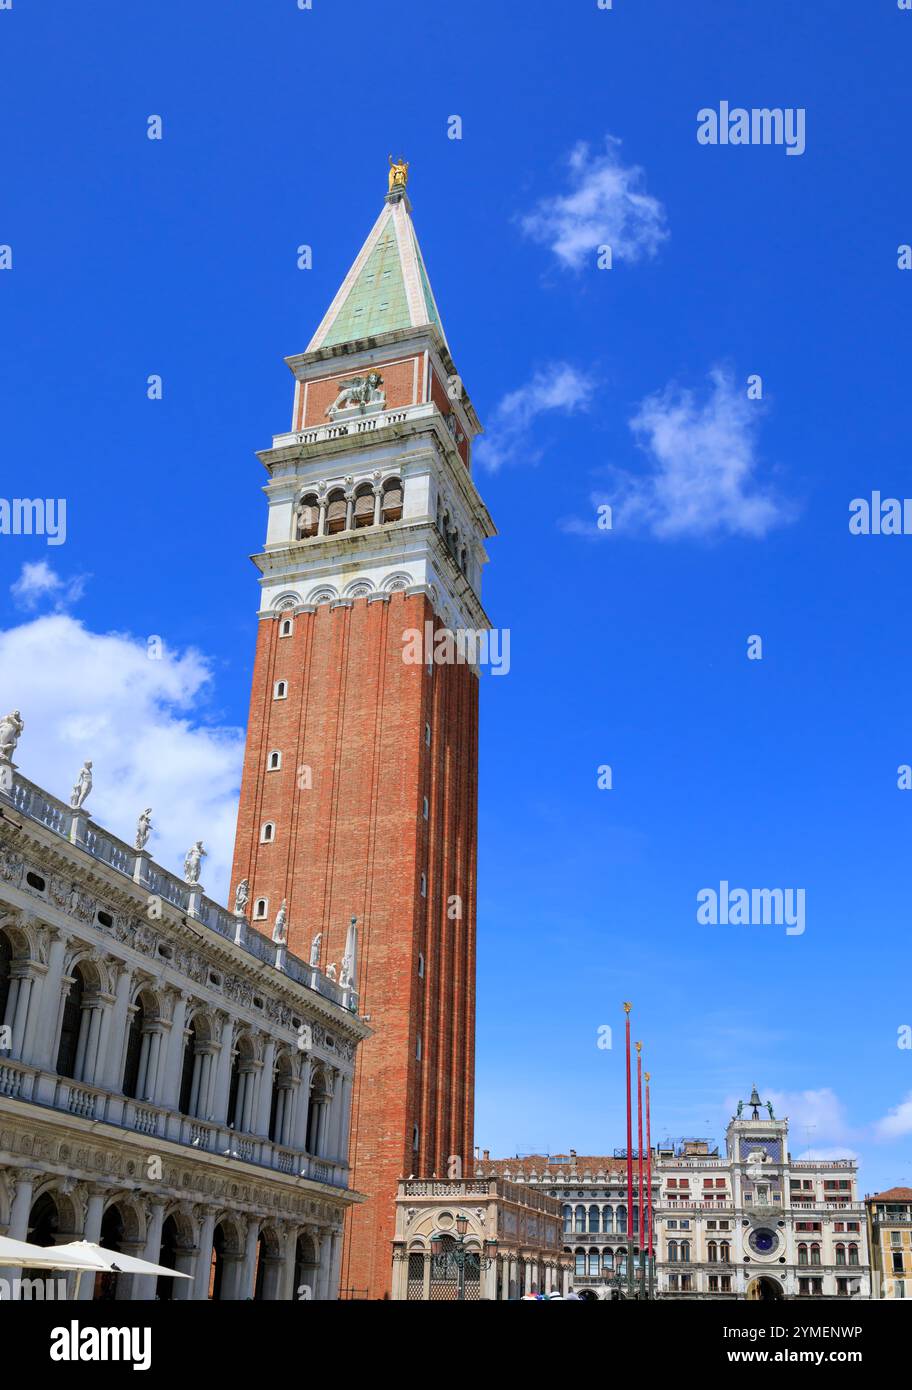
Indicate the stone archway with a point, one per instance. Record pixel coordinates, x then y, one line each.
763 1289
307 1264
227 1261
267 1283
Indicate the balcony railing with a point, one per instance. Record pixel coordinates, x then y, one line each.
21 1082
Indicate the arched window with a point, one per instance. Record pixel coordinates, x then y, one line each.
280 690
286 627
391 501
308 516
567 1212
274 762
70 1027
580 1218
607 1220
335 512
580 1264
593 1264
6 955
712 1252
594 1222
815 1254
267 832
620 1221
840 1254
364 505
685 1251
260 909
802 1253
725 1252
853 1254
134 1050
607 1258
672 1251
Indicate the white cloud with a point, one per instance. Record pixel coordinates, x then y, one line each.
100 696
38 583
815 1117
703 467
606 206
898 1122
557 387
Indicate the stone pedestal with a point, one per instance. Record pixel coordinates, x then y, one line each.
79 821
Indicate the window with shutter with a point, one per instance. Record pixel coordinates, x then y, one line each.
364 508
335 514
392 502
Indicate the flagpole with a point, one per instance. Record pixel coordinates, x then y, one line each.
641 1200
649 1187
627 1008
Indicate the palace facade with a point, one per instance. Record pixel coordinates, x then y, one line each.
172 1084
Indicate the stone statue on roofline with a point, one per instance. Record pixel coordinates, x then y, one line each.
143 829
193 863
11 726
80 792
280 930
241 896
315 949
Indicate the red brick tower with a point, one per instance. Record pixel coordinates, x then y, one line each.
359 793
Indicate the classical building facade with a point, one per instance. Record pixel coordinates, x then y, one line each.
890 1238
757 1223
511 1246
359 790
172 1083
591 1192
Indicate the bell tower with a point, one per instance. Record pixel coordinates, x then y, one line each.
359 790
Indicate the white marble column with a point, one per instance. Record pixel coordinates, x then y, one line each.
204 1257
248 1268
144 1285
170 1082
20 1210
287 1288
302 1102
218 1098
266 1081
47 1034
111 1062
91 1231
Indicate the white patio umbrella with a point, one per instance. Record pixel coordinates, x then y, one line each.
113 1260
21 1253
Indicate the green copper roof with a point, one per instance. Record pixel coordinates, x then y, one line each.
376 303
386 289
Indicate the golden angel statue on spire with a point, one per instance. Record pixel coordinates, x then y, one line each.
398 175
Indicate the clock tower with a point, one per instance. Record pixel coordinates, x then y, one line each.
359 791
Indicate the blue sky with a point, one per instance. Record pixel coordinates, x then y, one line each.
628 647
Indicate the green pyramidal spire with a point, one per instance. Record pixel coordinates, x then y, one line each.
387 287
